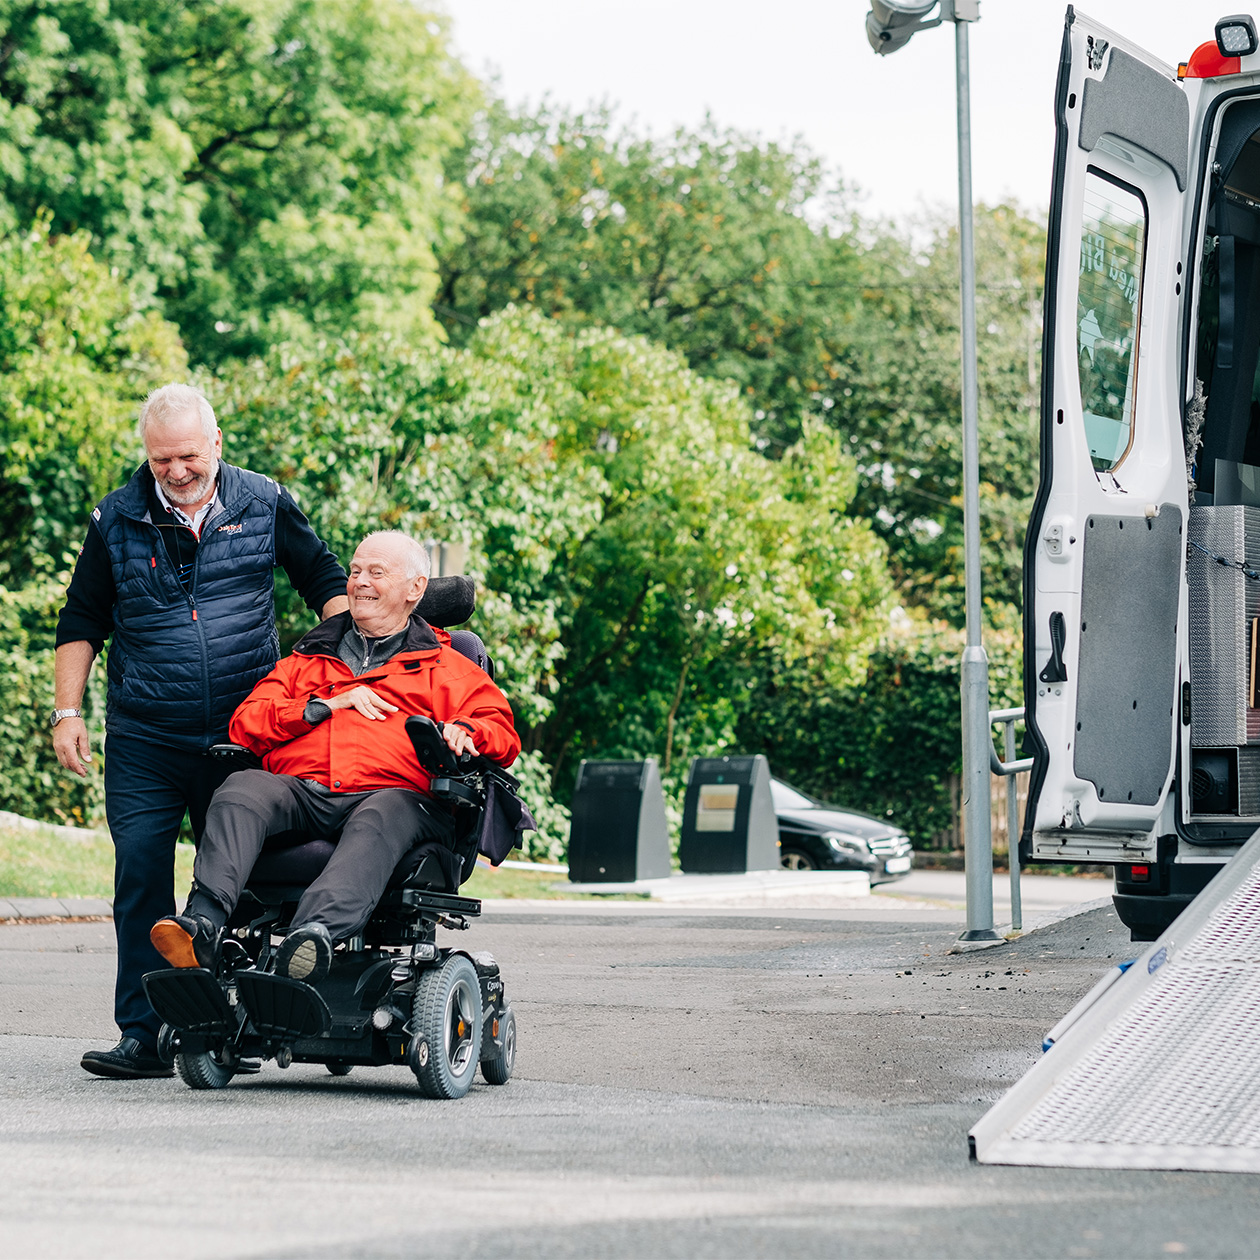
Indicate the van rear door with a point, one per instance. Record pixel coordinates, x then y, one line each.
1105 551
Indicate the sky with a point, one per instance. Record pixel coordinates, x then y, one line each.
804 68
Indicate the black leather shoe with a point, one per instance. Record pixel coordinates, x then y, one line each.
305 954
128 1060
187 940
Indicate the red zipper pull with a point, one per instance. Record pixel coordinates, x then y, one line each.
153 562
193 603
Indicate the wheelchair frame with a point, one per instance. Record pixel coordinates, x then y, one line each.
393 995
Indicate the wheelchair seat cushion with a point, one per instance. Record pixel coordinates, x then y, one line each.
300 860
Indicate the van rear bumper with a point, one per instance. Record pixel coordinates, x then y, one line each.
1146 915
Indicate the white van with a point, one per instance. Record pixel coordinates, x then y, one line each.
1142 559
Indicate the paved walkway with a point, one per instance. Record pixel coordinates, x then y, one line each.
691 1083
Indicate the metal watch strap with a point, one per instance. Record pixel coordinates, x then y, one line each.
58 714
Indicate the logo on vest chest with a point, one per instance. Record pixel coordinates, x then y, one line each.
230 529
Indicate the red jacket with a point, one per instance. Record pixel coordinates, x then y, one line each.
350 753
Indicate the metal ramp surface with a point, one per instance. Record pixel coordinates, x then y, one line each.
1158 1066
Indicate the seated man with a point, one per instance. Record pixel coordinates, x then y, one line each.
328 724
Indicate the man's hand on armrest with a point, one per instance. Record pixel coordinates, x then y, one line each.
458 739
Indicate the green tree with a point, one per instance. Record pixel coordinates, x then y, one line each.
747 259
700 242
897 401
76 353
890 743
76 356
638 556
264 168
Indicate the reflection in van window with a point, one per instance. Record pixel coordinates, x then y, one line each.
1113 237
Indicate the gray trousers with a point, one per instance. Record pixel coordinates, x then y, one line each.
372 831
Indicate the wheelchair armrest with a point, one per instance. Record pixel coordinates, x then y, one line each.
234 752
456 793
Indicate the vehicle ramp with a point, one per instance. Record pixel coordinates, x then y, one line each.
1158 1065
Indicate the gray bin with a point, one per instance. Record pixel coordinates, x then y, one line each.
619 831
729 825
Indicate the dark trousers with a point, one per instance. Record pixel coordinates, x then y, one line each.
148 789
372 831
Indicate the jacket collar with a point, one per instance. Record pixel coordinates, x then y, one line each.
326 637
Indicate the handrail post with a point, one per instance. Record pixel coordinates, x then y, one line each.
1012 828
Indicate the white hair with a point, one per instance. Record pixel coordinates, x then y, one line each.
418 561
169 402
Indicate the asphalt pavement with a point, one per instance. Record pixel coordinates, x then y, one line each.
690 1083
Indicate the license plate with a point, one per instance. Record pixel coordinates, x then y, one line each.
897 866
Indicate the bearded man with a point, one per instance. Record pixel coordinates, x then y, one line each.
177 570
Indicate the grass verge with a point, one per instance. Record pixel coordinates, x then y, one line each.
42 864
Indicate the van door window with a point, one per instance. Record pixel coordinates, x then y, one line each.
1108 304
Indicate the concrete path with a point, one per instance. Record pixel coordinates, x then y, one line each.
690 1083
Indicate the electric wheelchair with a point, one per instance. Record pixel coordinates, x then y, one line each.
393 994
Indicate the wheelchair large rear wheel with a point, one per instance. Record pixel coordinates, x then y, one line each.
447 1022
206 1069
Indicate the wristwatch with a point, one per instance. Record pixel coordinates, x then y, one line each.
58 714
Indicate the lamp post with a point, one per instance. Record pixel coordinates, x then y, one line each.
889 26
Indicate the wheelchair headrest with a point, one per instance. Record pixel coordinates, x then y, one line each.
448 601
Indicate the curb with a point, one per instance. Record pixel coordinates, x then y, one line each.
20 823
1039 924
53 909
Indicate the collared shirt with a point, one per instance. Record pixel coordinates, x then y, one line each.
195 521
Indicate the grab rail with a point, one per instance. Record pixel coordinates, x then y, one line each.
1006 718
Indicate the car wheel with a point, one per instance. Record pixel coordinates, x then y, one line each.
795 860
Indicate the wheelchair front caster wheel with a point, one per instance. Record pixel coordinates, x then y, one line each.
447 1020
166 1045
206 1069
339 1069
497 1069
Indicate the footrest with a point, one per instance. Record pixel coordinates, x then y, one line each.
190 999
282 1008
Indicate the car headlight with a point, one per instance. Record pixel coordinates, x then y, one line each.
844 844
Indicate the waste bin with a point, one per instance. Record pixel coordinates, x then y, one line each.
729 825
619 831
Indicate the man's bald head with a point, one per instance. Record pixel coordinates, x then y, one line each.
388 577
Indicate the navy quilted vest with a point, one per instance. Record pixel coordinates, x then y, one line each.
180 663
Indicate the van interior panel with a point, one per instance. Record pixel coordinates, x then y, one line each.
1125 701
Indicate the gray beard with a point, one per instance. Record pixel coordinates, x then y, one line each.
191 493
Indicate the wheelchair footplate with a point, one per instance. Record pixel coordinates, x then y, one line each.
281 1009
192 1000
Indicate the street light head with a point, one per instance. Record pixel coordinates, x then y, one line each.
891 23
1236 35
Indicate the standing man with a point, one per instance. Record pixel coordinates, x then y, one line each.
178 566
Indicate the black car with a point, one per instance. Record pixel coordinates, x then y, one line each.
814 836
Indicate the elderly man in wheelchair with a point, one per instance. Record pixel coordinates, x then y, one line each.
322 876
